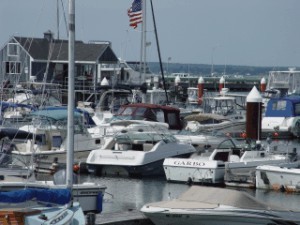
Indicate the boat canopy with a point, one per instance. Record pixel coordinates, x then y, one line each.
150 112
61 113
283 107
54 196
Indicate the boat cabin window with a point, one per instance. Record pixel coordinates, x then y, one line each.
222 156
128 110
56 141
172 120
140 111
279 105
160 115
297 109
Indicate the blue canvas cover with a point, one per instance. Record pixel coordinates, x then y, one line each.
283 107
55 196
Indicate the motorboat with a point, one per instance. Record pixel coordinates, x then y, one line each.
241 172
282 177
282 83
282 117
217 206
136 153
204 167
44 140
224 113
88 194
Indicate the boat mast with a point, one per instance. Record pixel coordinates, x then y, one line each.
143 43
159 56
71 97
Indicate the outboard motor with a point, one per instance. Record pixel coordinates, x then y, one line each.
60 177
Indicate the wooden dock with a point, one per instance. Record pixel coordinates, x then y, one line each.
130 217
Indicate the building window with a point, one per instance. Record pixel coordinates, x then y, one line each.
12 67
13 49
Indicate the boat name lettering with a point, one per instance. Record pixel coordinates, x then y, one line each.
188 163
61 217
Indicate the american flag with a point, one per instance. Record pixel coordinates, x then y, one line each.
135 13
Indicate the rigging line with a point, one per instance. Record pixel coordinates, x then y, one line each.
159 56
65 18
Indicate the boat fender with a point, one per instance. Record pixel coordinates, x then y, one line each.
99 202
189 181
264 177
90 218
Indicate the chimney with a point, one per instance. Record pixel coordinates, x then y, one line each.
48 35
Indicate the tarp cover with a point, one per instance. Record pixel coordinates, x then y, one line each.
57 196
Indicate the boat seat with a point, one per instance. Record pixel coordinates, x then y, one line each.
147 147
234 158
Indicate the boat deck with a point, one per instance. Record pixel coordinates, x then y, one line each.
129 217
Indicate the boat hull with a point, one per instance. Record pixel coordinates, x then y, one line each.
194 171
204 217
146 170
285 178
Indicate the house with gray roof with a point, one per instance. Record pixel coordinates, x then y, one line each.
46 60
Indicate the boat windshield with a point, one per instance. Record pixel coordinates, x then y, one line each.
144 137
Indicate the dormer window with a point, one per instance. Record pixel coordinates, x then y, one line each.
13 49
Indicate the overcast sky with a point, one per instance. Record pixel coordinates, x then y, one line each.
230 32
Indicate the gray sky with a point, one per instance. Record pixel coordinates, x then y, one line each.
231 32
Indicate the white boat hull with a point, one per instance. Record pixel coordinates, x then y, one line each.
283 177
215 217
194 171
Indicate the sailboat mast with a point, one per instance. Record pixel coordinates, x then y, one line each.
143 43
159 55
71 97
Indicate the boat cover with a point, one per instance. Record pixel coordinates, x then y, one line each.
55 196
283 107
200 197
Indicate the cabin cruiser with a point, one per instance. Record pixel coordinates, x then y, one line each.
282 83
136 153
217 206
44 140
224 113
282 117
241 173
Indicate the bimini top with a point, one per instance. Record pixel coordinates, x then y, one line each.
283 107
61 113
150 112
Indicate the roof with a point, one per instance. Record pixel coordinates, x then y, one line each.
38 48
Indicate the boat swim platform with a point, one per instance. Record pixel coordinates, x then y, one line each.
130 217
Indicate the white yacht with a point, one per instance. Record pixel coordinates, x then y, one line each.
136 153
